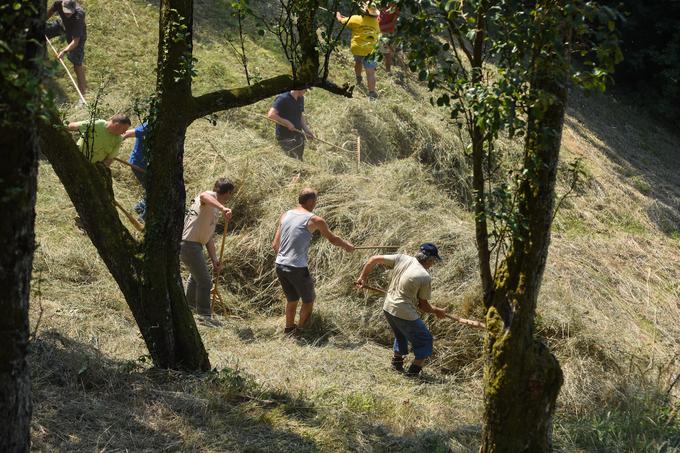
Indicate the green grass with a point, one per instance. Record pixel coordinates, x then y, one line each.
609 296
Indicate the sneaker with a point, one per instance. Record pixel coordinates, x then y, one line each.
372 96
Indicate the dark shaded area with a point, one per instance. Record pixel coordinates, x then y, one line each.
647 158
87 401
650 42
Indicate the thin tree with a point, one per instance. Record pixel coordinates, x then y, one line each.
148 272
21 28
504 67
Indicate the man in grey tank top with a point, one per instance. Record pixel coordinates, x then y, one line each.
291 245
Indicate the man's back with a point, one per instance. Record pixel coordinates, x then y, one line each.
295 238
409 282
96 142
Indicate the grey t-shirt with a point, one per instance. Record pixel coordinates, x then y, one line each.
410 282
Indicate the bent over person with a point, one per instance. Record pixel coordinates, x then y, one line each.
199 228
291 245
71 24
409 290
100 140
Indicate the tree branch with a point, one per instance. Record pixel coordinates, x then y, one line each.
238 97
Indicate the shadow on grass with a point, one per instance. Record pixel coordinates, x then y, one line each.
645 153
86 401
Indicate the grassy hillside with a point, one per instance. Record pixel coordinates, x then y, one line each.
609 304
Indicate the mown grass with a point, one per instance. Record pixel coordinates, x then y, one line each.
608 306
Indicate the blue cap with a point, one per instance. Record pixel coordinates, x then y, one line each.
430 250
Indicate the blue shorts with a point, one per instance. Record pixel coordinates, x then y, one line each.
368 61
414 332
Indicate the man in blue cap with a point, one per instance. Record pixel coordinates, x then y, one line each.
409 291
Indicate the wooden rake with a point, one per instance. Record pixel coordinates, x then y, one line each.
215 296
467 322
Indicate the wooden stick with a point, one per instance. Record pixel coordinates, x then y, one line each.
358 151
135 223
133 166
82 98
303 133
214 292
373 288
467 322
369 247
133 13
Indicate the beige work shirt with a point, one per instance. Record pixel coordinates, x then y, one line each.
410 282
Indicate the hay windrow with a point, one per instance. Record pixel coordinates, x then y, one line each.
608 306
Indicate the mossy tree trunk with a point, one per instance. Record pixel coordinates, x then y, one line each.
148 272
521 377
20 98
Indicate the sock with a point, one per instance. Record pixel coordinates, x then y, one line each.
414 370
398 363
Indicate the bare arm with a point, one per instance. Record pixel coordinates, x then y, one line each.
274 115
74 126
425 306
129 134
276 243
372 262
72 45
340 17
320 224
210 245
209 199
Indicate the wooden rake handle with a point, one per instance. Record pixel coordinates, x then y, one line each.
133 166
467 322
135 223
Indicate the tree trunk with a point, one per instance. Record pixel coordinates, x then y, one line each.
20 31
521 377
148 273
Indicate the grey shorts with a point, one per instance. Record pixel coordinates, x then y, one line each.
293 147
297 283
77 55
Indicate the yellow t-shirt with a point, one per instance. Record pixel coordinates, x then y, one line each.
365 34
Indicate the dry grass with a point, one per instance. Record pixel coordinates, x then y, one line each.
609 305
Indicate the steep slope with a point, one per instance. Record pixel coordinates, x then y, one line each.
608 308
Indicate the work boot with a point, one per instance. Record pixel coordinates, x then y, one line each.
398 363
290 331
413 370
359 80
372 96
